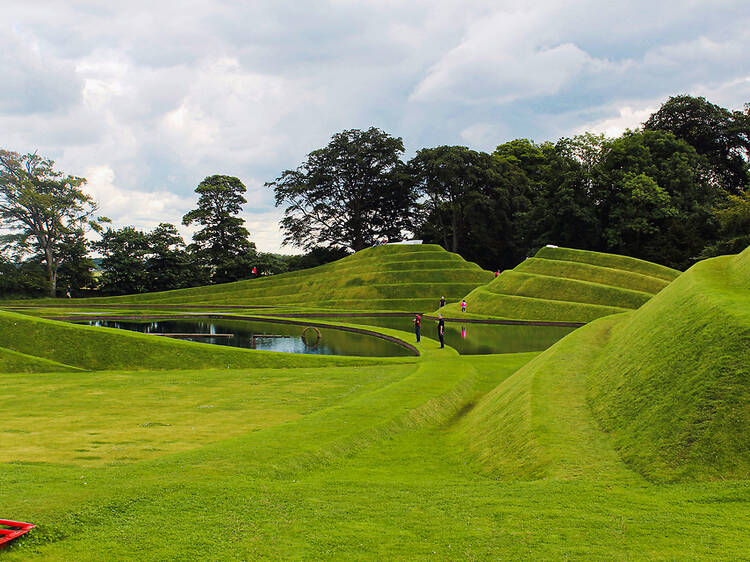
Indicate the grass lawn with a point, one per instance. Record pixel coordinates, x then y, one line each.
627 439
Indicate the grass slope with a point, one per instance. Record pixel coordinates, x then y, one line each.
93 348
667 382
672 384
389 277
562 284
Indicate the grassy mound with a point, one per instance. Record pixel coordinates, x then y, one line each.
562 284
35 343
664 388
390 277
673 383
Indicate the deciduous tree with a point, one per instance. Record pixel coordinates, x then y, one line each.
42 207
223 244
348 194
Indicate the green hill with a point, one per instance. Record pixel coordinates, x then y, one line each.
390 277
562 284
668 383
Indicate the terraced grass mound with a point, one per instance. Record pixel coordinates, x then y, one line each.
562 284
29 344
390 277
669 384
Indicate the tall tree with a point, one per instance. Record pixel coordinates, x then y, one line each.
223 244
42 207
348 194
168 263
722 136
470 200
562 205
641 167
123 265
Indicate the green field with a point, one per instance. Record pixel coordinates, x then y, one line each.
627 439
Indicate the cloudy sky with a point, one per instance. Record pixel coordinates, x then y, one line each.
145 99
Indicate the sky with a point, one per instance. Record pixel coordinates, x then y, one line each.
145 99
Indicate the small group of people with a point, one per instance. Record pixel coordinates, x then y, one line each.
463 304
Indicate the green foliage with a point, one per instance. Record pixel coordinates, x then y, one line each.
470 198
349 194
123 264
722 136
43 209
223 243
734 227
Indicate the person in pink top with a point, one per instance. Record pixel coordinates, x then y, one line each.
463 306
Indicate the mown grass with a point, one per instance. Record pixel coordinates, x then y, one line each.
562 284
368 471
614 261
624 440
93 348
672 382
408 278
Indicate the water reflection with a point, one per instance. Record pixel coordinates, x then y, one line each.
474 338
287 338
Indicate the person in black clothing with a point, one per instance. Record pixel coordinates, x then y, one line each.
417 325
442 302
441 330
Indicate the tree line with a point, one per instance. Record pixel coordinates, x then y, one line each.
673 191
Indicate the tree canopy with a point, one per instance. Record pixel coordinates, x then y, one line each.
42 208
722 136
347 194
223 244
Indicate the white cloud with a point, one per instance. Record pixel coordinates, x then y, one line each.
146 99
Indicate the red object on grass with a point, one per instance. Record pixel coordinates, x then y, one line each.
17 528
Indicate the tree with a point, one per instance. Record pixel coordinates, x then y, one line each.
470 201
223 243
168 263
76 267
123 265
722 136
348 194
734 227
679 228
641 207
562 206
41 207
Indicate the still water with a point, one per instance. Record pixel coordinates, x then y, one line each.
269 336
475 339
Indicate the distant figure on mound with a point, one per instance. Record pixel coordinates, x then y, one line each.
463 306
497 272
255 270
441 331
442 302
417 325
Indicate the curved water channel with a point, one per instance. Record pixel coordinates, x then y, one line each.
298 336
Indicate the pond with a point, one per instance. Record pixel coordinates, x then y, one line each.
269 336
474 338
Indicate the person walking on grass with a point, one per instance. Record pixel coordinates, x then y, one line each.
463 306
441 331
442 302
417 325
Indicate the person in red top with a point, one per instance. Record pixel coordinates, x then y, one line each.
417 325
255 270
497 272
